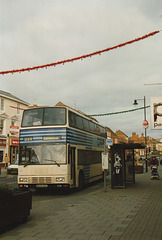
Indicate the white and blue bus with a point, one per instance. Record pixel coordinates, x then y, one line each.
59 147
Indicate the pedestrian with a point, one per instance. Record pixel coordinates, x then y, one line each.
154 162
6 160
161 162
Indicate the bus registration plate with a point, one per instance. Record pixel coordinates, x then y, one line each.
41 185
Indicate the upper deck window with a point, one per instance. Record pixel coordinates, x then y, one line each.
44 117
54 116
32 117
81 123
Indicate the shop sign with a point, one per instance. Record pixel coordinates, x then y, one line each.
14 129
156 113
14 142
2 142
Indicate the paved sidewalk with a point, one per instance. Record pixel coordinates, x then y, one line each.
134 213
3 172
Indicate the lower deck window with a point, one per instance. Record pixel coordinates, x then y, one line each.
88 157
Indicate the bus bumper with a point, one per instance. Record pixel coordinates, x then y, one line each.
43 186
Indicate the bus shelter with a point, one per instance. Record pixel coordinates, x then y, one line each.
123 164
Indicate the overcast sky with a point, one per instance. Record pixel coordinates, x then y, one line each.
38 32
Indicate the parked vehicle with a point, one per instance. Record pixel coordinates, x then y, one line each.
13 168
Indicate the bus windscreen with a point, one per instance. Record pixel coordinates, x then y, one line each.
43 154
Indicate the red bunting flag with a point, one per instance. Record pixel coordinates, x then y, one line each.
78 58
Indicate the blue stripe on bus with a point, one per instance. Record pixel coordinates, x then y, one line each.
79 138
71 136
37 135
43 132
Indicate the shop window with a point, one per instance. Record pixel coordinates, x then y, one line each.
1 156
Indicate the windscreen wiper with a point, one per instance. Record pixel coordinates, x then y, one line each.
57 163
26 164
53 161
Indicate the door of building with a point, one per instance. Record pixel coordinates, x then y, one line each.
14 152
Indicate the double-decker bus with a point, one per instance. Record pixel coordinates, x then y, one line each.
59 147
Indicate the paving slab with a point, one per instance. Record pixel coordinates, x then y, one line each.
134 213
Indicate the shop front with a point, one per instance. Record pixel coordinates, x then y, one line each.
14 149
2 148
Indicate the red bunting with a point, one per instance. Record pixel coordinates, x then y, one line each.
17 108
78 58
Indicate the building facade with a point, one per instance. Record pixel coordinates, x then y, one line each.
11 109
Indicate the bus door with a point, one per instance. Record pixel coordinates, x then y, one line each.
72 164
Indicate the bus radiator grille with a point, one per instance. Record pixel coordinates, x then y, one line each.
34 180
48 180
41 180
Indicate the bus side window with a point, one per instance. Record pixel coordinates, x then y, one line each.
97 130
86 125
72 119
79 122
92 127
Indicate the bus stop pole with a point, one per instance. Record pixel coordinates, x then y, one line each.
104 169
104 180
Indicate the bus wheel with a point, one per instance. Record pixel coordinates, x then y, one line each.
81 180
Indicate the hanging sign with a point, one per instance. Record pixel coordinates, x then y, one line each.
14 129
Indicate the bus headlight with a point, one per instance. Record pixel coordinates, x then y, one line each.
23 179
60 179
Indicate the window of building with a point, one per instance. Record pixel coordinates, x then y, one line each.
2 104
12 122
1 125
18 108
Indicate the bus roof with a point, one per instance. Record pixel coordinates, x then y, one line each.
60 104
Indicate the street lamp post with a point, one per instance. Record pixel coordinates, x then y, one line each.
135 103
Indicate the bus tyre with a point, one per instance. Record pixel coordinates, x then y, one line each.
81 180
